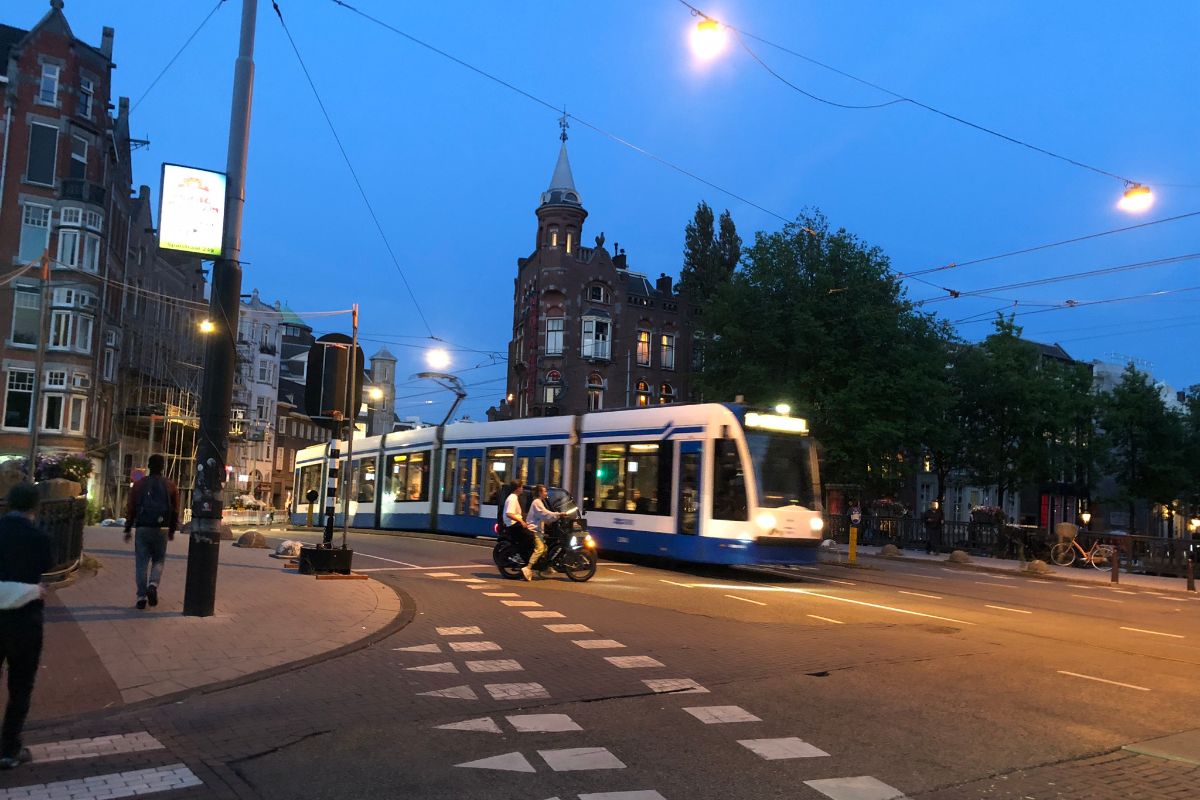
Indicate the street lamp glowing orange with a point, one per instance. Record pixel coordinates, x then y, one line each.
708 39
1137 198
375 393
207 326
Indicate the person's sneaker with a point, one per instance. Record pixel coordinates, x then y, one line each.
11 762
152 594
141 603
527 572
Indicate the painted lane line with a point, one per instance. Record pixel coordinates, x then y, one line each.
862 787
470 630
1100 599
881 607
1156 633
521 603
517 691
391 560
1083 586
572 627
94 748
622 571
1122 591
673 583
497 665
597 644
919 594
473 647
633 662
1004 577
1003 585
1013 610
1037 580
641 794
467 580
674 686
543 614
1171 599
1103 680
116 784
826 619
543 723
776 749
482 586
717 715
923 575
1152 594
744 600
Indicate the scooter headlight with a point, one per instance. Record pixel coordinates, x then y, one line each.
588 541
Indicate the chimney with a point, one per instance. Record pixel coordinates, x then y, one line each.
663 284
106 41
144 193
123 108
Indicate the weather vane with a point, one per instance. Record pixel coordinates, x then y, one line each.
563 124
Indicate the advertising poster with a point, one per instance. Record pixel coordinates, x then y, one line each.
192 210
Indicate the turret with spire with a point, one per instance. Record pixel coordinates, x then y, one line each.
561 214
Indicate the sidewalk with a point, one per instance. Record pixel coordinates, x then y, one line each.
1086 574
102 653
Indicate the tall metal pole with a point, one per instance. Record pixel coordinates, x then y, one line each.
43 342
216 394
352 404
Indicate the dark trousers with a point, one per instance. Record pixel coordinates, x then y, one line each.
20 651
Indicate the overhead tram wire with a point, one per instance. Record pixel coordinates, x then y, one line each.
175 57
1070 304
904 98
353 173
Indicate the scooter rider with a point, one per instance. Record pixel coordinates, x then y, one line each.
539 515
513 519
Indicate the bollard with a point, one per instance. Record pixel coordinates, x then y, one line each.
853 543
1116 563
1191 575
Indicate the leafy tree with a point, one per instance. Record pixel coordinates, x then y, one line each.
947 414
709 255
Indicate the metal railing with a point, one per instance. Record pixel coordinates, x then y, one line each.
63 519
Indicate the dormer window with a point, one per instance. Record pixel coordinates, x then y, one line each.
597 294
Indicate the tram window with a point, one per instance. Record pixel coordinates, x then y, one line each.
556 476
310 478
610 477
448 478
539 471
362 481
407 477
523 471
728 483
499 471
632 478
468 488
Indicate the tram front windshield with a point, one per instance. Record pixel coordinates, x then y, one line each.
784 468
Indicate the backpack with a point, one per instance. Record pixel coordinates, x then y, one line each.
155 509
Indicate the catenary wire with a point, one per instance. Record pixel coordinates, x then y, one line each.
1084 303
163 72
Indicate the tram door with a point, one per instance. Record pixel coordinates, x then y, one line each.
690 460
466 495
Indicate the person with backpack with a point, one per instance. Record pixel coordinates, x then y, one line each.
153 505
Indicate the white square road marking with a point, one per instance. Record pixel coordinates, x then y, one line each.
569 628
675 686
498 665
473 647
711 715
468 580
642 794
776 749
574 759
501 594
543 614
861 788
522 603
633 662
482 586
116 784
597 644
543 723
516 691
441 574
93 748
464 631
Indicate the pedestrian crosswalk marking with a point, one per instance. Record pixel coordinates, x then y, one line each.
95 747
420 648
460 631
495 665
776 749
463 692
509 762
516 691
522 603
642 794
468 580
441 574
569 628
713 715
113 785
597 644
674 686
633 662
473 647
861 788
482 586
501 594
483 724
543 723
577 759
445 666
543 614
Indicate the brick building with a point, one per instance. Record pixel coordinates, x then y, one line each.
589 333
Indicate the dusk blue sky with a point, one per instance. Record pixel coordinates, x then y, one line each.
454 163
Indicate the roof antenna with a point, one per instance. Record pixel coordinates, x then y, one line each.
563 125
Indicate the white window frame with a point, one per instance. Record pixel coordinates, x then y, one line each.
27 225
84 328
555 334
81 380
593 344
90 259
62 329
75 157
62 405
110 364
666 351
26 298
68 247
93 220
73 402
70 215
25 387
87 98
642 356
50 72
56 379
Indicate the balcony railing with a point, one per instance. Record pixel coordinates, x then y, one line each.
83 191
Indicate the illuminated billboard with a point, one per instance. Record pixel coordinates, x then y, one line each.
191 215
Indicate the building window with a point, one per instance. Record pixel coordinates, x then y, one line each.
110 364
552 388
553 237
70 215
35 232
43 152
18 399
666 394
667 351
595 338
91 253
597 294
86 93
77 414
554 335
26 317
83 333
595 392
60 330
56 379
81 380
570 240
48 89
79 150
264 371
643 348
68 247
642 394
52 412
262 408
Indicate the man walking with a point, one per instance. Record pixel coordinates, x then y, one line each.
25 553
153 505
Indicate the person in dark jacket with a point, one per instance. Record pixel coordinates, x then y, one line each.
153 505
25 554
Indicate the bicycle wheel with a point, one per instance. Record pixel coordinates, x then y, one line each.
1100 557
1063 554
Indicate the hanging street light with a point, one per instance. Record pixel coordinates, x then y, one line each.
437 358
1136 199
207 326
709 38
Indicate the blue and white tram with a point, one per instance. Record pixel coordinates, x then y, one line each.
707 483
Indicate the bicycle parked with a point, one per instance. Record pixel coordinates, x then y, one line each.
1098 555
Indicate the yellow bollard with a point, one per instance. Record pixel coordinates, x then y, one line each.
853 543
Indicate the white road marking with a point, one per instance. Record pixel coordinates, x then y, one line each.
1100 599
716 715
633 662
495 665
1005 585
112 785
501 594
922 575
463 692
441 574
1083 586
574 759
673 583
572 627
521 603
482 586
467 580
920 594
543 723
420 648
809 569
998 577
863 787
445 666
674 686
776 749
508 762
543 614
473 647
1037 580
469 630
1122 591
1013 610
391 560
597 644
641 794
93 748
516 691
1102 680
1152 594
1163 597
1156 633
482 724
622 571
815 593
744 600
826 619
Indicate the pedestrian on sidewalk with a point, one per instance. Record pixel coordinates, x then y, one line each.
25 554
933 528
153 505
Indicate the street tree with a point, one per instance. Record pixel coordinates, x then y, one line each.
710 254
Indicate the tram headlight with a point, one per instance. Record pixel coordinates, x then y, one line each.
816 523
766 521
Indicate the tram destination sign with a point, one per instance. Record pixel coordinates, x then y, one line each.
776 422
191 212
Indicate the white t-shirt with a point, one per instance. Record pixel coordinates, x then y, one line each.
512 510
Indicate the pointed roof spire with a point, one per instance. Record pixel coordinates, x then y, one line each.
562 189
